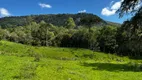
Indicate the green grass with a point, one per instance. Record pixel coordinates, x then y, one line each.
22 62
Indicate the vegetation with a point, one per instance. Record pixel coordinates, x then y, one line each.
84 34
56 19
129 6
71 47
28 62
129 34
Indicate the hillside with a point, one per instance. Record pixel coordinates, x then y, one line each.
15 49
113 23
22 62
55 19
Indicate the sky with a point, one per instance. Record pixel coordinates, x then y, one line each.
103 8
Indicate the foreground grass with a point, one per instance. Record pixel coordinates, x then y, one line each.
21 62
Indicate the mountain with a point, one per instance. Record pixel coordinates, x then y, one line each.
55 19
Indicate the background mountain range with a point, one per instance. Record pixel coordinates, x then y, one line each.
55 19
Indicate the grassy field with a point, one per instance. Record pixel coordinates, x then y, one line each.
22 62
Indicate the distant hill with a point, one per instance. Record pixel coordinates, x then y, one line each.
55 19
113 23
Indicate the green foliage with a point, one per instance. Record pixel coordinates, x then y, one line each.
37 61
70 24
56 19
3 34
107 39
21 62
7 48
129 37
89 21
129 6
72 31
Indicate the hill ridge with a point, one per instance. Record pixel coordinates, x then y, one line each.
55 19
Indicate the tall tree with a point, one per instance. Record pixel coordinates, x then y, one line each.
129 36
107 39
129 6
70 24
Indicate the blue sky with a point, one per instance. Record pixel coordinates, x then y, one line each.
103 8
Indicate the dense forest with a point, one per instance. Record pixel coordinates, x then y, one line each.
56 19
75 30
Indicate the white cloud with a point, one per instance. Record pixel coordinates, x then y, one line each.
108 12
4 12
114 6
43 5
82 11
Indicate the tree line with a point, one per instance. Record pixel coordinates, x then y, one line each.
123 41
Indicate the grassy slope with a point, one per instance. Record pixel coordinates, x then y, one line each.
19 61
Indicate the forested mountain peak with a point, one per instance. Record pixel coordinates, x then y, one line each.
55 19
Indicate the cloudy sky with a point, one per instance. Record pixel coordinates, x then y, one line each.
103 8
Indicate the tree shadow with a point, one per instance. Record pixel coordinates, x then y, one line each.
113 67
136 57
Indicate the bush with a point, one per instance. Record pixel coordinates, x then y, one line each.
135 66
37 57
